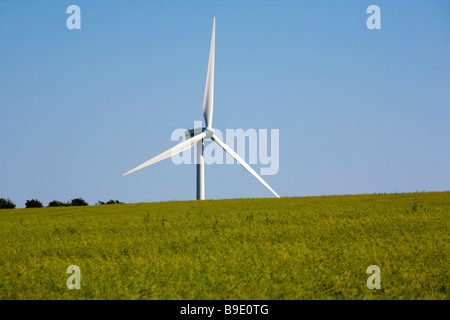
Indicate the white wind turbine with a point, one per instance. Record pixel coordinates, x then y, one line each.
197 136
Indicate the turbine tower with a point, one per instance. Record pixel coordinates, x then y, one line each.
198 135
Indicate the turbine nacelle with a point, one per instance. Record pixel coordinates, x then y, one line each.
194 132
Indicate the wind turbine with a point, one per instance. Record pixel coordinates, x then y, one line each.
198 135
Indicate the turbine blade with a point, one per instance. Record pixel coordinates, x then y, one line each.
208 100
242 163
173 151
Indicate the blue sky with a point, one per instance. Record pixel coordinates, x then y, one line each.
359 110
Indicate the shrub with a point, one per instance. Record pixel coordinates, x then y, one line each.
114 202
6 204
109 202
33 203
56 203
79 202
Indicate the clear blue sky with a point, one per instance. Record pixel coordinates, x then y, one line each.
359 110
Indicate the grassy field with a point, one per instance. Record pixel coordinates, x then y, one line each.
288 248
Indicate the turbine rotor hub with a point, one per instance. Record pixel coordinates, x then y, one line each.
209 132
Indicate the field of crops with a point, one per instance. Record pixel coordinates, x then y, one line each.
288 248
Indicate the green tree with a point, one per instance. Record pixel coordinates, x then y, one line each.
79 202
33 203
56 203
6 204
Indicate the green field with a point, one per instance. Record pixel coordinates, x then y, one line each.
288 248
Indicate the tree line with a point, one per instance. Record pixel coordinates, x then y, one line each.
35 203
